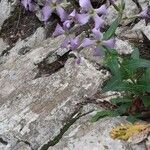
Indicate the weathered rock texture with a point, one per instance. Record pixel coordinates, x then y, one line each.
42 95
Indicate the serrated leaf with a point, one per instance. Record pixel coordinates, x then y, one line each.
146 101
115 84
129 67
112 63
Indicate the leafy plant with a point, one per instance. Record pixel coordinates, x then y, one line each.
131 77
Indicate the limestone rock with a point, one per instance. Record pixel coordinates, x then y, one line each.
141 26
6 9
93 136
34 110
130 10
123 47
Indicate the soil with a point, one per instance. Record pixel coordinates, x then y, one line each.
21 24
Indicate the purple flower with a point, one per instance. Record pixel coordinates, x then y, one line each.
145 14
51 6
78 60
28 5
75 43
98 42
90 12
58 31
69 42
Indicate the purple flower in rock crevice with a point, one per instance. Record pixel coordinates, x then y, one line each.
72 17
90 12
51 6
98 41
145 14
69 42
28 4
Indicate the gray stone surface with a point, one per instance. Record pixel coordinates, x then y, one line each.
141 26
131 9
123 47
35 109
3 45
93 136
6 9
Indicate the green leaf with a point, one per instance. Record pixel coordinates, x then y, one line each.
129 67
111 31
102 114
144 82
120 100
111 62
123 108
115 84
132 118
135 54
146 101
146 76
136 63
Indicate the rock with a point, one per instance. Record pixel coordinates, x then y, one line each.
148 142
123 47
6 8
93 136
3 46
130 10
35 110
141 26
144 3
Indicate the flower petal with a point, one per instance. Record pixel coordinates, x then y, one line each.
31 7
102 10
110 43
73 14
65 42
74 43
78 60
98 52
25 3
28 5
85 4
82 18
58 31
145 13
97 34
46 12
99 22
67 24
87 42
62 13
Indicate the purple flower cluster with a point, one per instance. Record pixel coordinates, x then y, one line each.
81 17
